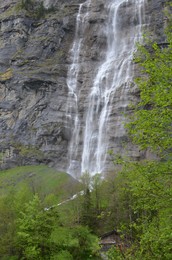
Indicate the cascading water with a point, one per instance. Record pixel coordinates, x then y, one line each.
114 72
72 79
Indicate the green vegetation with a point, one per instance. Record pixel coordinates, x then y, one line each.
28 151
143 212
34 228
136 201
41 180
10 11
31 224
31 232
151 126
144 189
34 8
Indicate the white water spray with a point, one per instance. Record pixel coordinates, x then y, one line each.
114 72
72 113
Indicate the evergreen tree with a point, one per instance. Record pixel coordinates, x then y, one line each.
34 229
87 218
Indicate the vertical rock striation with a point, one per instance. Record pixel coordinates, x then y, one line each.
56 75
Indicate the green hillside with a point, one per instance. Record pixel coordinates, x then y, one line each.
46 182
32 226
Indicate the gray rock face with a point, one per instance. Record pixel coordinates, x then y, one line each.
34 62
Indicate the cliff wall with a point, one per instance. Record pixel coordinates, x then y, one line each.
35 43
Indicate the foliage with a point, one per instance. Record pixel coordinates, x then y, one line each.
77 241
114 253
34 8
136 201
87 210
87 244
35 226
144 189
28 151
30 225
148 187
150 126
7 226
93 203
33 232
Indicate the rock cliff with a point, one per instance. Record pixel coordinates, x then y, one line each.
35 42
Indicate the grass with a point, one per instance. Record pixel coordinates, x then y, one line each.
41 179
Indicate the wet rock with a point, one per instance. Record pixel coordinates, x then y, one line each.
34 62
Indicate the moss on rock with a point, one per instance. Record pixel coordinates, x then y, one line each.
8 74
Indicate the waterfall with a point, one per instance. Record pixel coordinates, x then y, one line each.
114 72
72 113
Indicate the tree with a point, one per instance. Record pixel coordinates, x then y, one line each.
148 184
86 245
87 214
150 125
96 184
75 242
34 229
90 203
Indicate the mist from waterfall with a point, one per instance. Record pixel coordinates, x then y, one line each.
115 71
